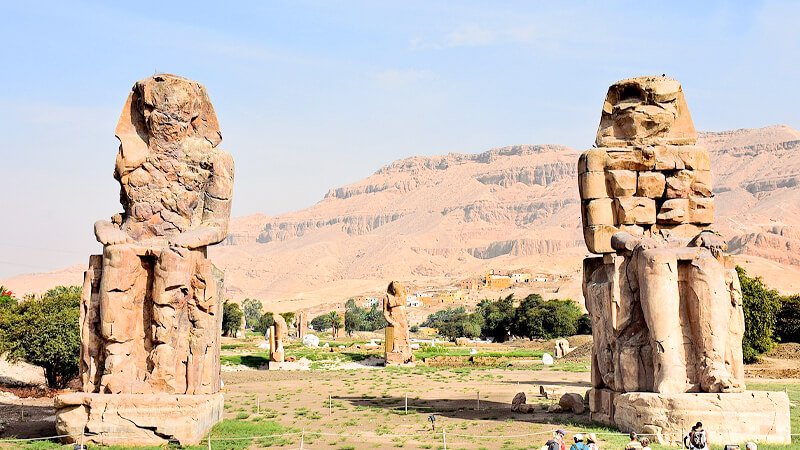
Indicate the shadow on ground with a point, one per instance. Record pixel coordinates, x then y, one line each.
27 421
467 409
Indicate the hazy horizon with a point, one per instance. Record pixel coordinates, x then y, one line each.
315 95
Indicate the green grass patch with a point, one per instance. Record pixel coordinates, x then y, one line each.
428 351
793 390
254 360
241 428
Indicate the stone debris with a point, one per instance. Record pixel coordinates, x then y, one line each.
151 303
310 340
519 399
664 298
572 402
562 348
463 342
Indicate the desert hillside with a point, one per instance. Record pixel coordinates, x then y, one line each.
434 221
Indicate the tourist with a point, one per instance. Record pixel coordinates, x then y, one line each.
696 439
562 444
645 443
634 444
579 445
751 446
591 442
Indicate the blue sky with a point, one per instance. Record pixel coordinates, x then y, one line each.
313 95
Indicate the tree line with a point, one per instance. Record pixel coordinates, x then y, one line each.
503 319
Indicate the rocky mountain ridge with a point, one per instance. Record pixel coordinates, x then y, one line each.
436 220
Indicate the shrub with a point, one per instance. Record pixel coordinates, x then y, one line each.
584 324
498 318
537 318
761 306
787 326
321 323
231 318
264 322
45 331
252 312
362 319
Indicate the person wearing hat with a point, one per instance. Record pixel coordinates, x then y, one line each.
591 442
645 443
560 433
578 445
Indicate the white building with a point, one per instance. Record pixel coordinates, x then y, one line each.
413 301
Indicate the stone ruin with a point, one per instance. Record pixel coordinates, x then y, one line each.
301 321
398 339
277 333
561 348
151 312
664 297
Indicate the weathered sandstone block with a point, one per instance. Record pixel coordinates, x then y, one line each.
735 417
651 184
630 159
598 238
592 185
593 160
674 211
621 183
701 210
138 419
635 210
599 212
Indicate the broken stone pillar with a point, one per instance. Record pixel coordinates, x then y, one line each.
151 313
279 332
562 348
398 339
302 324
664 297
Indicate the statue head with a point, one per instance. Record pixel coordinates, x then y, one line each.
395 289
165 113
648 110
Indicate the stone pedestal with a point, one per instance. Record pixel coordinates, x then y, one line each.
137 419
727 418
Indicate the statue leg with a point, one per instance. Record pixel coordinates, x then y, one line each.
199 366
171 290
709 305
660 299
123 288
734 357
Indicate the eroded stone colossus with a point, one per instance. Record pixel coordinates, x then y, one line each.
151 306
398 339
665 300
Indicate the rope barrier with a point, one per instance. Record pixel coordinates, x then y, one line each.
362 434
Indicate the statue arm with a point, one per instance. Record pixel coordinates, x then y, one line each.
387 311
108 233
216 207
712 241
